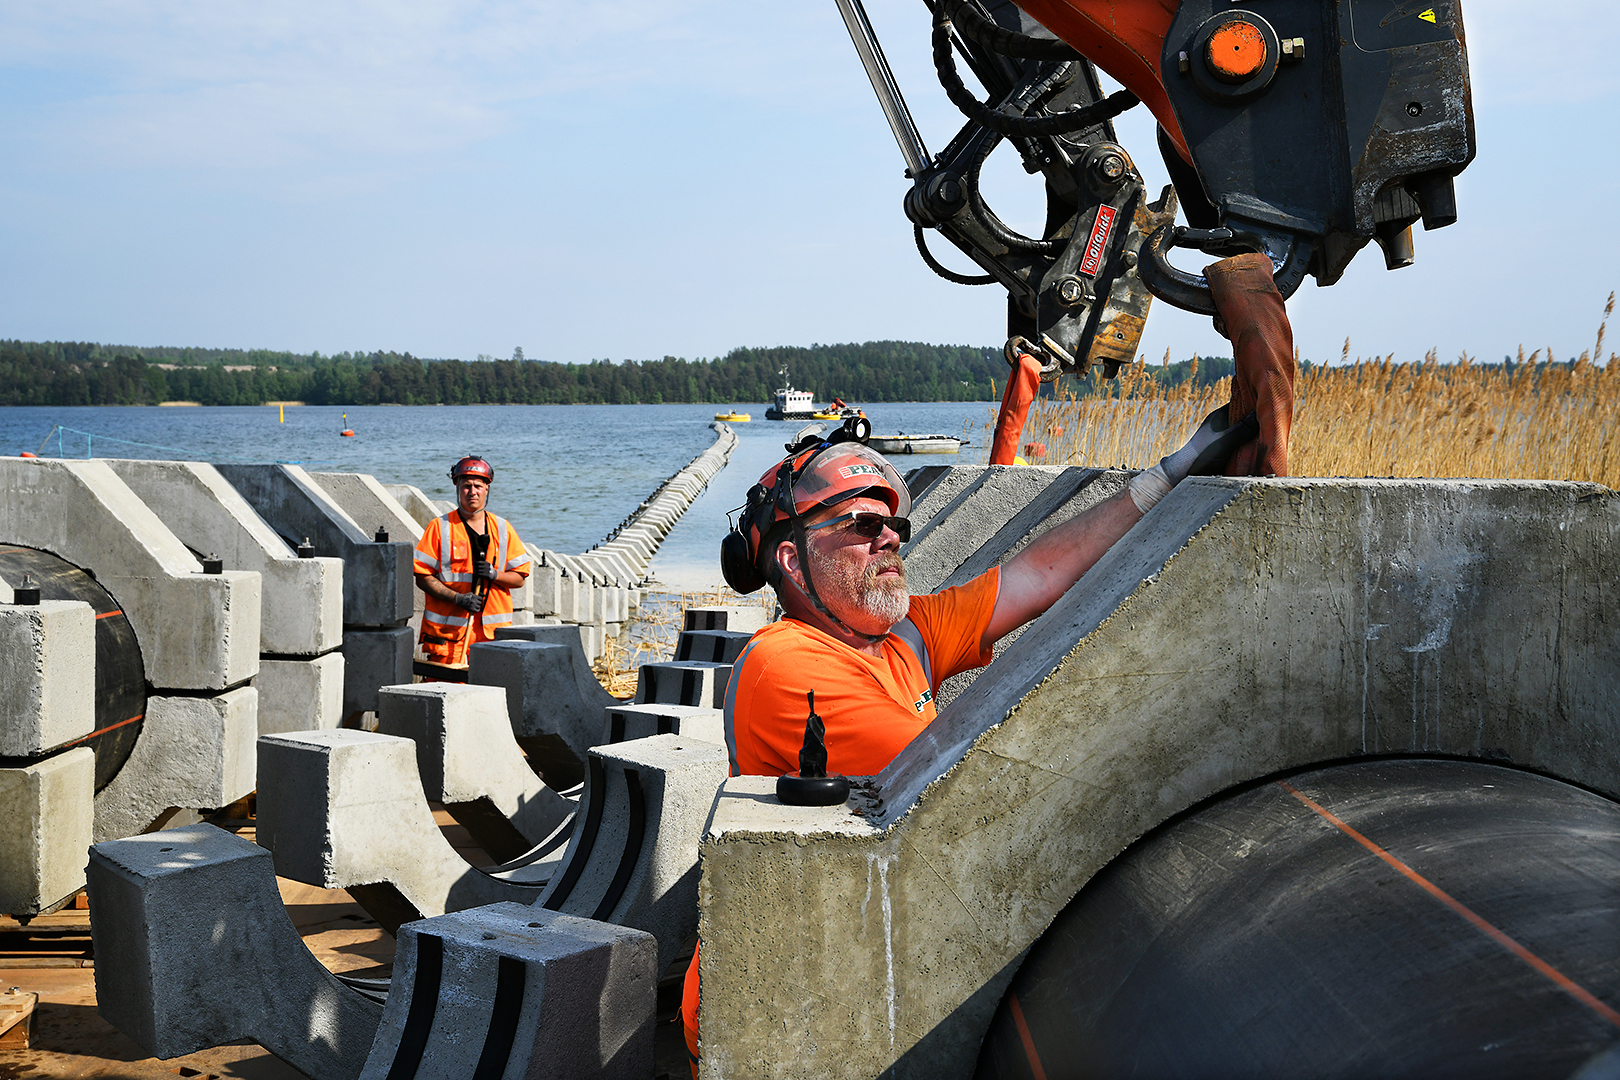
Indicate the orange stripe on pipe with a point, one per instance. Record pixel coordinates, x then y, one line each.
103 731
1562 981
1023 1033
109 614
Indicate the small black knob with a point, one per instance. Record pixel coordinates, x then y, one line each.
381 536
306 550
26 594
213 565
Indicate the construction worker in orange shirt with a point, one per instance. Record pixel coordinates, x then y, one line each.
824 528
467 563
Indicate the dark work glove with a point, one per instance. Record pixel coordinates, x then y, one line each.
482 569
470 601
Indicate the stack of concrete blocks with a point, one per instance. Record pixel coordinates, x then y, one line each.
1242 630
603 587
198 636
348 809
378 587
47 700
195 950
300 680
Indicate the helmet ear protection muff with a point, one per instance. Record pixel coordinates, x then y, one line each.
745 546
740 549
735 565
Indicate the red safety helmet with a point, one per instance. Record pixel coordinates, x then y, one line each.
824 474
473 466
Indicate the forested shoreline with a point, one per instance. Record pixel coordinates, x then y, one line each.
81 373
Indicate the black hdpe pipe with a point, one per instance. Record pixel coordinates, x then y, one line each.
120 692
1396 918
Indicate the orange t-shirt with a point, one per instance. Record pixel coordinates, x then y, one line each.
872 706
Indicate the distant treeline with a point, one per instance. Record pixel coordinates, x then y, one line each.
76 373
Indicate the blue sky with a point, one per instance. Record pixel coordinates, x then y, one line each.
630 179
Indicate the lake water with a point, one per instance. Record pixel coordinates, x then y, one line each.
565 475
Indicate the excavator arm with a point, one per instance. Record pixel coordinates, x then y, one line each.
1300 134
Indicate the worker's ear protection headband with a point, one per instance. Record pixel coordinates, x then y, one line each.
740 550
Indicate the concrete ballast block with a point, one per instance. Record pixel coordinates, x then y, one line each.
469 760
373 659
300 695
520 993
683 682
193 753
46 810
47 676
627 722
346 810
196 631
301 600
194 949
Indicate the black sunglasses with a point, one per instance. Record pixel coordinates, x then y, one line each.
869 524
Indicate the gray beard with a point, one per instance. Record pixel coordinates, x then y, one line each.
887 604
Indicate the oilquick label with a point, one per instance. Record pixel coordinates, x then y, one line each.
1098 242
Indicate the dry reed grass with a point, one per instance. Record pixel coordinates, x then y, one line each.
652 634
1374 417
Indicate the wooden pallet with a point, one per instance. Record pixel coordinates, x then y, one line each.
16 1018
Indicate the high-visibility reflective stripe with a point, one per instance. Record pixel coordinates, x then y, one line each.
500 539
499 619
731 706
427 560
444 540
445 620
449 576
907 631
516 561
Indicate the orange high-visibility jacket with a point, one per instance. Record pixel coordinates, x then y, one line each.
445 551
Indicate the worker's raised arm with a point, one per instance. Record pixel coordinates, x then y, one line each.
1032 580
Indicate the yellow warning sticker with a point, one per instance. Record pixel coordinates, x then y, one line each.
1427 15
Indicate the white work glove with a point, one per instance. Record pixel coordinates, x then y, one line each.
1204 454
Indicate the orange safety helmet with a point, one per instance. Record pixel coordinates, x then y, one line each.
472 465
815 474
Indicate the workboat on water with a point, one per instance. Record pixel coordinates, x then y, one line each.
733 417
791 404
794 404
916 444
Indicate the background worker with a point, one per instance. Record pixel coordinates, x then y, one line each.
824 528
467 562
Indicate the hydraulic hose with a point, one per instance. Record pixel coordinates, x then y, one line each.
994 225
1063 123
944 271
1001 40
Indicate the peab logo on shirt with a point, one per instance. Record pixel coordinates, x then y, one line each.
927 696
